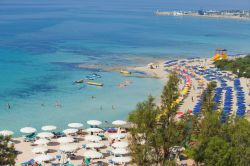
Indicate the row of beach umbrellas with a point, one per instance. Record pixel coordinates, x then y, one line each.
74 128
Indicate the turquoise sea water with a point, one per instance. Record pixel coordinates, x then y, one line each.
40 43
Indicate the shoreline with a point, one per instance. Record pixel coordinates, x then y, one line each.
158 72
170 13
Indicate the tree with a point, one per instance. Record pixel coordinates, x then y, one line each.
7 152
143 143
155 130
239 66
217 152
217 143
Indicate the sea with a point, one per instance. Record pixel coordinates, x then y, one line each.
43 42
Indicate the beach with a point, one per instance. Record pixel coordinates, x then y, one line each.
156 70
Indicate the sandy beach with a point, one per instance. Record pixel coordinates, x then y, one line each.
25 149
158 70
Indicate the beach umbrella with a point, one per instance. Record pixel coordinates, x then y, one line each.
28 130
6 133
70 131
119 122
94 130
65 140
95 145
180 114
93 138
120 144
92 154
43 158
48 128
121 159
45 135
41 142
69 147
117 136
94 122
75 125
39 150
120 151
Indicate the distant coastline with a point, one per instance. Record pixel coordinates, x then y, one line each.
224 14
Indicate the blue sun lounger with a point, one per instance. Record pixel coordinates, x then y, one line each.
30 162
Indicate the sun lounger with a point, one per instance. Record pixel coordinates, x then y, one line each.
111 162
30 162
55 164
58 134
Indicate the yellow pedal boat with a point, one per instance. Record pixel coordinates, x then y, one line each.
95 83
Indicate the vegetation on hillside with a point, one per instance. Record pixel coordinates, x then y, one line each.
206 139
7 151
239 66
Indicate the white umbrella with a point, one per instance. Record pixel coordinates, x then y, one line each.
121 159
75 125
39 150
95 145
70 131
93 138
119 122
48 128
41 142
120 144
92 154
6 133
28 130
64 140
117 136
94 130
69 147
43 157
45 135
120 151
94 122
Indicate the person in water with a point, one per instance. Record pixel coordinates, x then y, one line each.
8 106
58 104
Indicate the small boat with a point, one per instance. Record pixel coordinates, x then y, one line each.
125 72
79 81
96 75
90 77
94 83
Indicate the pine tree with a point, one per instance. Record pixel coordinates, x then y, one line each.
7 151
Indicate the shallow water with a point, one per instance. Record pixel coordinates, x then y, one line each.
42 41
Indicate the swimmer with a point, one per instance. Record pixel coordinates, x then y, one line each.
8 106
93 97
58 104
113 108
100 107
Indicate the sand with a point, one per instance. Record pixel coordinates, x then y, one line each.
26 150
158 72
